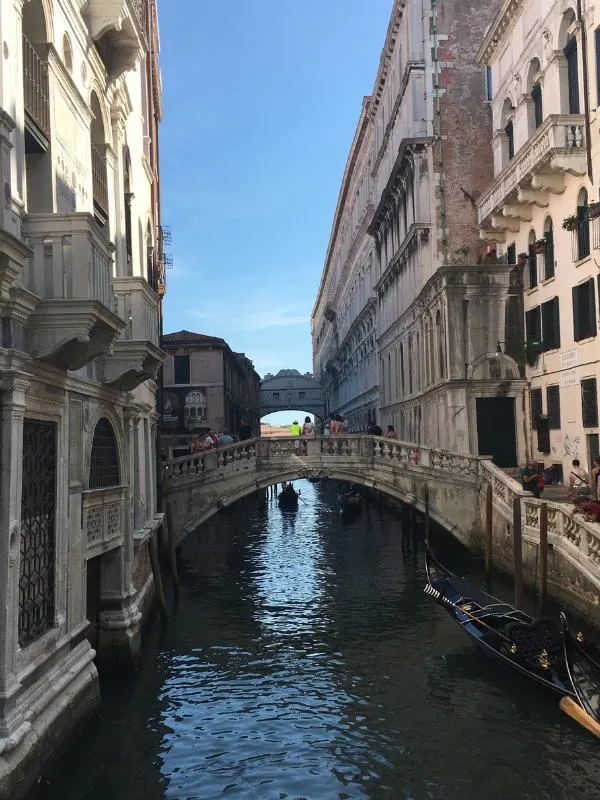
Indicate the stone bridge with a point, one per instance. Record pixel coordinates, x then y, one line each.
454 488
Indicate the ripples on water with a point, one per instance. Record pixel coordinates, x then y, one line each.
304 661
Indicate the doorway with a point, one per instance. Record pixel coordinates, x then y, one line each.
92 607
593 450
496 431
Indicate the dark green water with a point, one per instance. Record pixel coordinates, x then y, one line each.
304 661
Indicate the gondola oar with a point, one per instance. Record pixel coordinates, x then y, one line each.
437 595
576 712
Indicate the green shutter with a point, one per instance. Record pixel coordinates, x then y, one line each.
555 323
576 325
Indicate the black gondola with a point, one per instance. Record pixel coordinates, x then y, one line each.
582 660
534 647
350 499
288 498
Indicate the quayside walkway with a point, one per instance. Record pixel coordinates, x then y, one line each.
453 488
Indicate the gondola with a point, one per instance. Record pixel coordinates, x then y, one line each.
288 499
533 647
582 661
350 501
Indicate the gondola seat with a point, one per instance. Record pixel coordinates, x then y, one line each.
538 643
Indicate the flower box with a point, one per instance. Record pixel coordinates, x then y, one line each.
570 223
594 210
522 259
540 246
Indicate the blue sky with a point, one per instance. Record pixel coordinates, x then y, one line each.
261 100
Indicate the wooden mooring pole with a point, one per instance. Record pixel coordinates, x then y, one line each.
427 520
172 548
158 584
489 528
518 551
543 552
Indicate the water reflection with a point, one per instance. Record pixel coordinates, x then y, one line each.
306 662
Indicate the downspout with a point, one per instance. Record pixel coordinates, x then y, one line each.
437 125
586 95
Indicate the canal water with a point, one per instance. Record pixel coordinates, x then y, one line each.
304 661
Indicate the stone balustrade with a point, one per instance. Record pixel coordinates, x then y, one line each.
102 511
137 304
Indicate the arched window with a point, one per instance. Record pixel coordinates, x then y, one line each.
535 109
583 225
418 363
104 461
549 248
402 368
410 365
532 273
128 196
427 356
441 343
572 74
67 52
98 155
430 346
508 140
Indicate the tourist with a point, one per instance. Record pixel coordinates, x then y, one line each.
244 431
343 427
531 480
225 438
335 424
596 476
579 480
327 429
390 433
308 429
295 428
374 429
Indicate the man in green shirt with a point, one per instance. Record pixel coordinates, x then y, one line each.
531 480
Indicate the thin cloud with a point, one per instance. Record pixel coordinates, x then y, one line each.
283 317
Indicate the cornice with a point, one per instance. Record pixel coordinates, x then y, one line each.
502 24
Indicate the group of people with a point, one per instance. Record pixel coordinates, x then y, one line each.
534 480
209 440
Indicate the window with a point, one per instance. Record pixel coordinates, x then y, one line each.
583 226
510 139
511 254
275 395
302 395
572 74
410 366
584 311
104 460
67 53
533 325
532 263
589 403
535 399
181 367
553 406
550 325
549 251
488 84
402 358
536 96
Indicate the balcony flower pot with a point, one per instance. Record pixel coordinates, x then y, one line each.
540 246
570 223
594 210
522 259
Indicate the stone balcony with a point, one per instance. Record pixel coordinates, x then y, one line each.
70 272
537 170
118 28
136 356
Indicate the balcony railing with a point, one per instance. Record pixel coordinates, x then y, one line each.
103 519
137 304
71 260
99 179
35 88
557 146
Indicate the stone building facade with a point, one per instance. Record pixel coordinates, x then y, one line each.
206 386
410 311
541 209
81 282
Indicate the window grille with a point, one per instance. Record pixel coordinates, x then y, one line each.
38 521
104 465
553 407
589 403
535 397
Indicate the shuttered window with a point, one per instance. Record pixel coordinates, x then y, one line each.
553 407
550 325
538 113
510 140
533 325
584 311
535 398
572 74
589 403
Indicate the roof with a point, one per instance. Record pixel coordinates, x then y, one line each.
188 337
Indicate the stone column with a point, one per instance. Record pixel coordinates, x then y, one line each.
13 389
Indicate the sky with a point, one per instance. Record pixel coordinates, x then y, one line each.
260 101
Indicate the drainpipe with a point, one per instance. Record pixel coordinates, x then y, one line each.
438 125
586 96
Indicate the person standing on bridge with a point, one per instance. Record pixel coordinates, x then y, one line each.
308 429
244 431
295 431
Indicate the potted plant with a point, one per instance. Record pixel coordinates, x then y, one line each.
570 223
594 210
522 259
540 246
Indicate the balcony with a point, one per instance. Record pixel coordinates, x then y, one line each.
136 356
103 514
537 169
71 272
118 28
100 184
